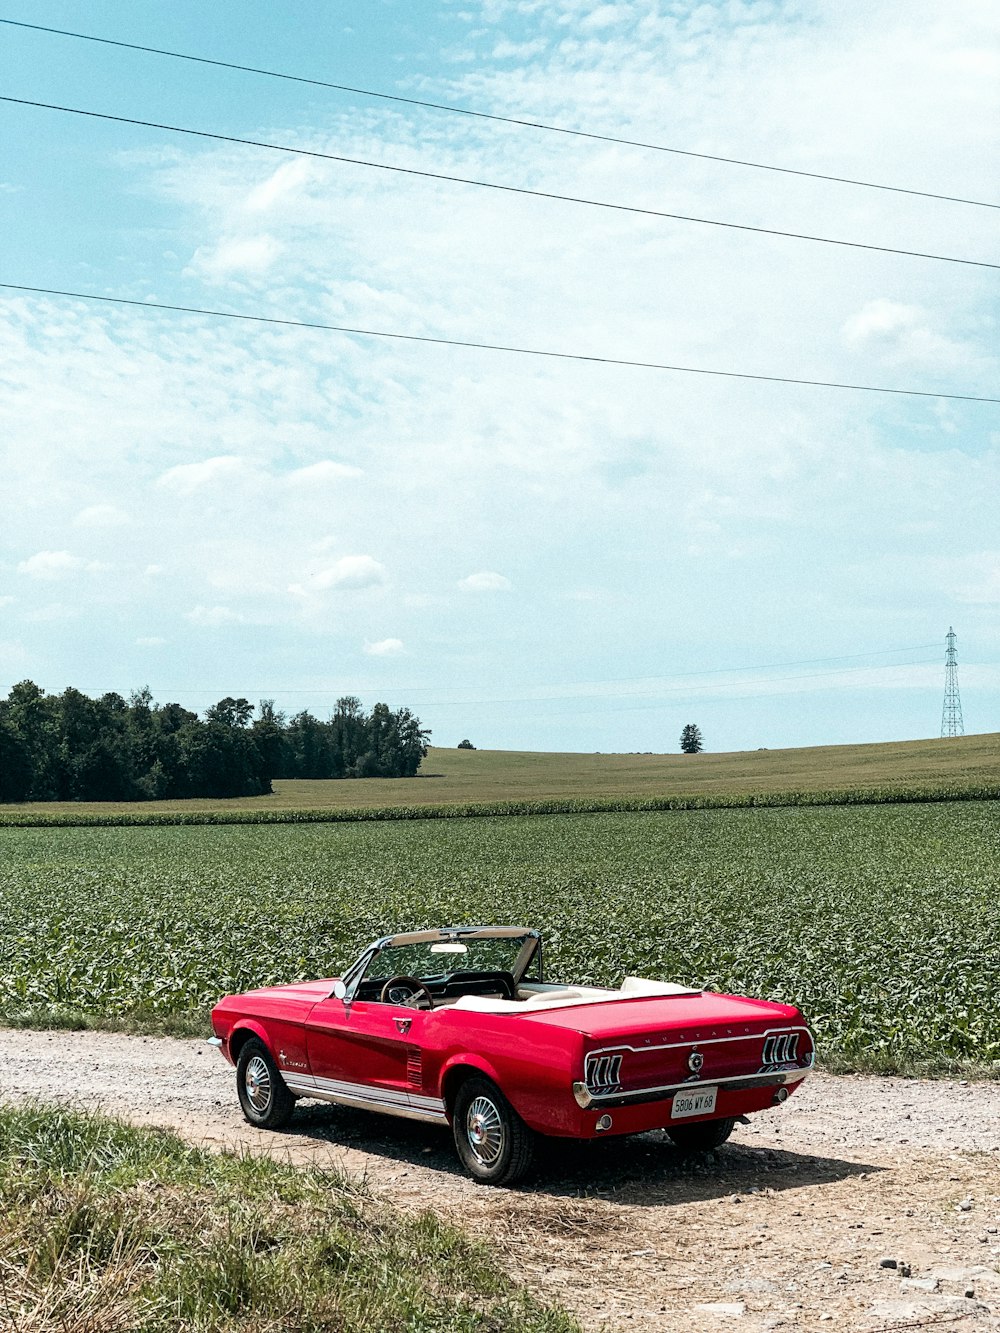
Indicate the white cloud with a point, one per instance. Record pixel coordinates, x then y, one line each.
51 564
187 478
486 580
604 16
384 647
903 333
232 256
280 187
227 472
506 50
327 470
101 516
348 574
881 319
58 565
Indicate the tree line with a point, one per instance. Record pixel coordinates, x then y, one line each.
70 747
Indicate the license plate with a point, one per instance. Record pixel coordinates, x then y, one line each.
701 1102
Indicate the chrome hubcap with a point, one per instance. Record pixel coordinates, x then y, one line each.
257 1081
484 1130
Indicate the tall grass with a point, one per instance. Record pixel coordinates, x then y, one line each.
109 1229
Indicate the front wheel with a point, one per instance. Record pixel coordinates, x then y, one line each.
703 1136
265 1099
494 1144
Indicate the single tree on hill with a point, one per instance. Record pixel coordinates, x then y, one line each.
691 739
466 745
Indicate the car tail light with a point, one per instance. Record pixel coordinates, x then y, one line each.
603 1073
780 1048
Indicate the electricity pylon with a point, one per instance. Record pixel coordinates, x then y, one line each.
951 713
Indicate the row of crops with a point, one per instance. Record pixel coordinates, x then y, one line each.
135 815
882 922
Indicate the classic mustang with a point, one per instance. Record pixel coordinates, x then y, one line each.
458 1026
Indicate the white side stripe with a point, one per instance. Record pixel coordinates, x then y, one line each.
412 1105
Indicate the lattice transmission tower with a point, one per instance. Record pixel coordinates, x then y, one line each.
951 713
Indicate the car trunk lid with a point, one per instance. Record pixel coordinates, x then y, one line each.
648 1046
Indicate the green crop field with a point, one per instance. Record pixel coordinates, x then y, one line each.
966 766
882 922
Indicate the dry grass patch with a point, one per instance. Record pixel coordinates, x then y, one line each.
109 1229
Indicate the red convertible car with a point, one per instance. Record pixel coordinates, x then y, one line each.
458 1026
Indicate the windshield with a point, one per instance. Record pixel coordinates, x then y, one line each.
440 960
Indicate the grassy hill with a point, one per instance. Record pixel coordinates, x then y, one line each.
458 777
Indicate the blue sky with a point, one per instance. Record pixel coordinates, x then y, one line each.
532 554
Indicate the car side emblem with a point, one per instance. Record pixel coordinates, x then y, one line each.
403 1024
695 1062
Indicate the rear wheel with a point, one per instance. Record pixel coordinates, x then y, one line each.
265 1099
494 1144
703 1136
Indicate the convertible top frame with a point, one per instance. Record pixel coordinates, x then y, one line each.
530 950
528 953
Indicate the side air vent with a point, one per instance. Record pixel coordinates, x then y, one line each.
603 1073
414 1067
781 1048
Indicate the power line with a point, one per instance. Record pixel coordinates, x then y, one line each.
678 689
503 120
266 690
490 347
769 666
495 185
686 690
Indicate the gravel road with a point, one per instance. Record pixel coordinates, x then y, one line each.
787 1226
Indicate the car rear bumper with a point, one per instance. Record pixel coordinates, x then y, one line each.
638 1112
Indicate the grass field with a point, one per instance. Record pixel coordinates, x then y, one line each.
880 921
459 777
107 1228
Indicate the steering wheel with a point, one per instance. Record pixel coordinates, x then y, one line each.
403 989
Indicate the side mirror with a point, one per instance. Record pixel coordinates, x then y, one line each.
339 989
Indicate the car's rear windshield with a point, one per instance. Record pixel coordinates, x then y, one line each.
429 962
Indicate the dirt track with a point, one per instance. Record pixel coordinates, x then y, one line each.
784 1227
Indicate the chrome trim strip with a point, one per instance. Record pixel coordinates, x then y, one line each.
385 1100
697 1041
773 1079
395 1101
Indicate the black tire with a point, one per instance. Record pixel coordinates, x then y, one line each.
702 1136
265 1099
494 1144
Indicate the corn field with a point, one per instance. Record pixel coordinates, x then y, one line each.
881 922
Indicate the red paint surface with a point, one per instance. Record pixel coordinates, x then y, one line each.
534 1056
